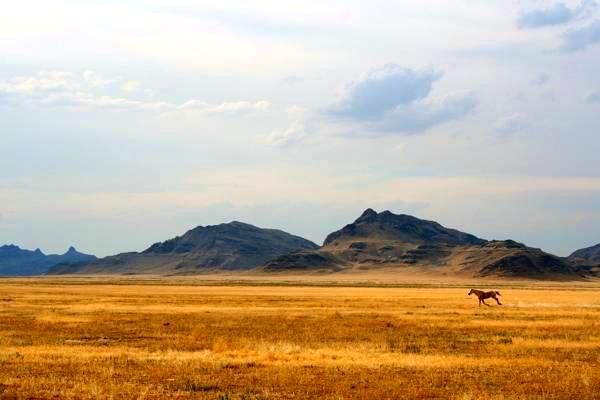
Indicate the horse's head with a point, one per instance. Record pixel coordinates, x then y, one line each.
498 293
470 292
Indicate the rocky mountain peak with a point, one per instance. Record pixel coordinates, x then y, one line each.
389 226
71 250
368 215
17 261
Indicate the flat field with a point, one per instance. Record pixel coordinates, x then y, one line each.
153 339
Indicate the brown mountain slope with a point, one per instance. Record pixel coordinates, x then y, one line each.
233 246
589 255
387 240
404 228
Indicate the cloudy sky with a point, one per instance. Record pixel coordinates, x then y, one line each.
125 122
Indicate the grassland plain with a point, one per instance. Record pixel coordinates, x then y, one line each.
211 339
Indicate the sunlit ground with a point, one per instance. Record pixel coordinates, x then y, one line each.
68 338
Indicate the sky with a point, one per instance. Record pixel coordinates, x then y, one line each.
124 123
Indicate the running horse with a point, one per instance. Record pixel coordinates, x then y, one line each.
481 295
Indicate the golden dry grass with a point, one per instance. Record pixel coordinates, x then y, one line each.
80 339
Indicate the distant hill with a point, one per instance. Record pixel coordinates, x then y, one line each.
233 246
387 240
589 255
404 228
17 261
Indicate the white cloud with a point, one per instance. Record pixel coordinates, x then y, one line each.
295 132
395 99
555 15
97 81
81 100
225 108
43 82
381 90
79 91
421 116
131 86
578 39
239 106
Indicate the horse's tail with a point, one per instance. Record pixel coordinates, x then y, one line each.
498 293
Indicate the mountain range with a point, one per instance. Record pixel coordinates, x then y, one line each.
387 240
17 261
374 241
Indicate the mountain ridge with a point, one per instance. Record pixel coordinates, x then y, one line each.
228 246
374 241
15 261
403 242
588 254
412 229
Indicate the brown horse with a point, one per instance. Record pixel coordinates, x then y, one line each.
481 295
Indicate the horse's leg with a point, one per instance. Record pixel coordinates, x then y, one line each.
497 301
483 301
